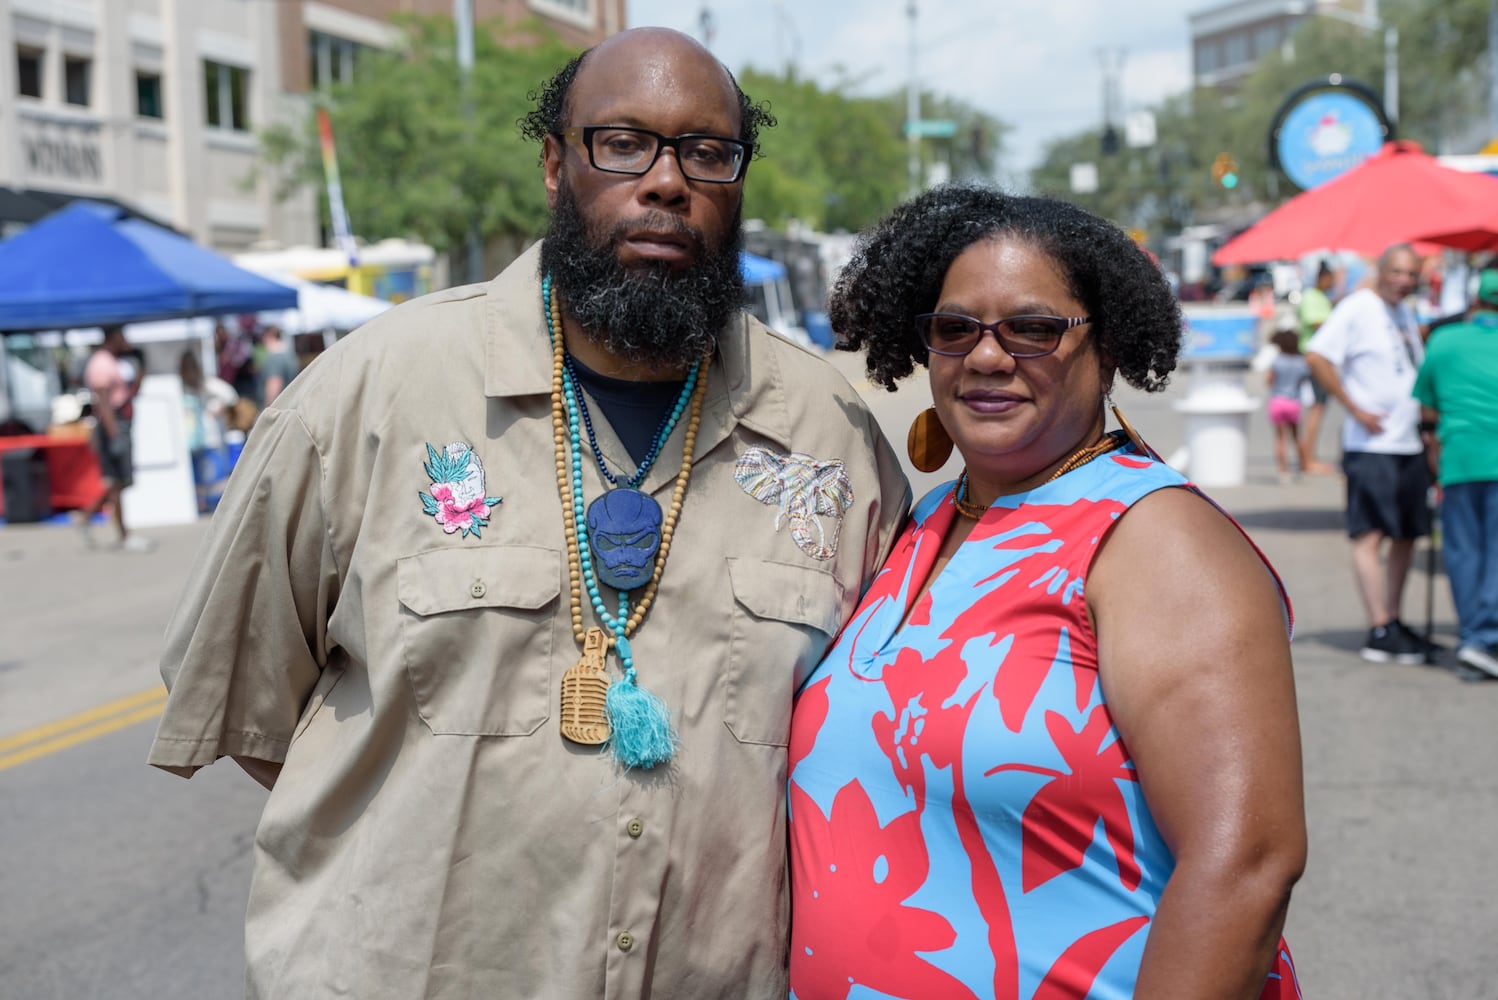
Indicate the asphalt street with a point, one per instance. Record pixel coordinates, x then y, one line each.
122 882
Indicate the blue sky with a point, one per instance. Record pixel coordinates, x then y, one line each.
1033 63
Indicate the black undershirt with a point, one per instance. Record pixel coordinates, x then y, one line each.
633 409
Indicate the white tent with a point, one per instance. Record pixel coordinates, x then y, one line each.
322 308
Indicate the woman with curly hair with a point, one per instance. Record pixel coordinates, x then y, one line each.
1055 751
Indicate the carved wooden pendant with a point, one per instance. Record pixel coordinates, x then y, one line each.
584 687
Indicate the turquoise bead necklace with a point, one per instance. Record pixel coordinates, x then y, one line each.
662 433
637 725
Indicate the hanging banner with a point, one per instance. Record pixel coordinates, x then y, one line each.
341 229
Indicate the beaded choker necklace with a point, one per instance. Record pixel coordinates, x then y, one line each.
1079 458
662 433
611 541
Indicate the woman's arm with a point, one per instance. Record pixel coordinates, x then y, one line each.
1195 665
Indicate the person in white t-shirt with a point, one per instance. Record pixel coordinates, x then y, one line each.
1366 355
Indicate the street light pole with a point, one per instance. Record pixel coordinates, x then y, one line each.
912 114
1492 70
463 23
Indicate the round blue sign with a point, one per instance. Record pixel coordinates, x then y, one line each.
1327 134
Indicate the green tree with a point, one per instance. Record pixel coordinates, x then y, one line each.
411 163
1442 56
839 161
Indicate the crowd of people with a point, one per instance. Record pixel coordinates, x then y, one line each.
1419 414
254 365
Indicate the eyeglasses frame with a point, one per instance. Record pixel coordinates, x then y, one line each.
583 134
922 325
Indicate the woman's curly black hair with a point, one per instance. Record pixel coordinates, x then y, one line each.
550 113
899 265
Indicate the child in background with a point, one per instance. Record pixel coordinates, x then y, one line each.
1288 377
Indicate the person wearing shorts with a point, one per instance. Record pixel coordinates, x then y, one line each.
1287 377
1366 354
113 390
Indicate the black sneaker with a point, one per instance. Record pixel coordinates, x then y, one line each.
1431 650
1387 643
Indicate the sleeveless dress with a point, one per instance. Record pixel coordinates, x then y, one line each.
965 821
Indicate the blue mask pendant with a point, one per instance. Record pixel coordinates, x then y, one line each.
624 533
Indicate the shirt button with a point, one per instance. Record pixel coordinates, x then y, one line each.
635 828
477 590
625 940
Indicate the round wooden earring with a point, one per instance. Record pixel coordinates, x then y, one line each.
928 444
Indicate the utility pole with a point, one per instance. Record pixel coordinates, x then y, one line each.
1112 61
708 25
913 113
463 22
1492 70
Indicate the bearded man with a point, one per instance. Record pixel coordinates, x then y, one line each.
513 750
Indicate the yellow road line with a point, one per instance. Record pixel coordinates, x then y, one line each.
84 726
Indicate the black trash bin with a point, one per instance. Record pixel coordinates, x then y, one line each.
28 488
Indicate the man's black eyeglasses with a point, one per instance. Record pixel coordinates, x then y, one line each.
953 335
711 158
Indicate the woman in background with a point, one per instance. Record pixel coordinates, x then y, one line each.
205 405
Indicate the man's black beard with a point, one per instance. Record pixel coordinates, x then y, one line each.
651 315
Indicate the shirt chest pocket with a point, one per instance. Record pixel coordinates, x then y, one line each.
476 636
784 616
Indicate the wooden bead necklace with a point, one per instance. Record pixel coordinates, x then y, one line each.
594 711
1078 459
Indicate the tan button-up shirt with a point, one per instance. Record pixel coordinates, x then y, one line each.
431 833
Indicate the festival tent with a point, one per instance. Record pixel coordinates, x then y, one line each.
1396 196
322 308
91 265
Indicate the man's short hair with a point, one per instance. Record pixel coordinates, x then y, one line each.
1487 288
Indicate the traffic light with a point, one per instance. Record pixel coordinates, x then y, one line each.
1225 170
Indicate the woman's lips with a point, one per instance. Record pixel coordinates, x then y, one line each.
991 402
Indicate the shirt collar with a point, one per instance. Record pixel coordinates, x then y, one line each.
745 384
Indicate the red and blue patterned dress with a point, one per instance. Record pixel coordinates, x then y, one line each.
965 821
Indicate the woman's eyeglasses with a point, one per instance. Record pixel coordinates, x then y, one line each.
953 335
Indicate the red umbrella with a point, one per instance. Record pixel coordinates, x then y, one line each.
1473 240
1395 196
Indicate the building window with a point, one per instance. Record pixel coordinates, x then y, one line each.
226 96
1266 40
331 59
1237 50
575 10
29 72
148 95
76 75
1208 57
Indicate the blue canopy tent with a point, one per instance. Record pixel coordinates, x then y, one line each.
760 270
91 265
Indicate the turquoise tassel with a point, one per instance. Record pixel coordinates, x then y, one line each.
642 734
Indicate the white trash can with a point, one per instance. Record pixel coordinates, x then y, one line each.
1220 343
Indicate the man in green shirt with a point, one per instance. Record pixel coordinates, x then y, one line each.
1459 423
1315 307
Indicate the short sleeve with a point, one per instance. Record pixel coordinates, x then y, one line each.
893 504
1425 384
249 638
1330 340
